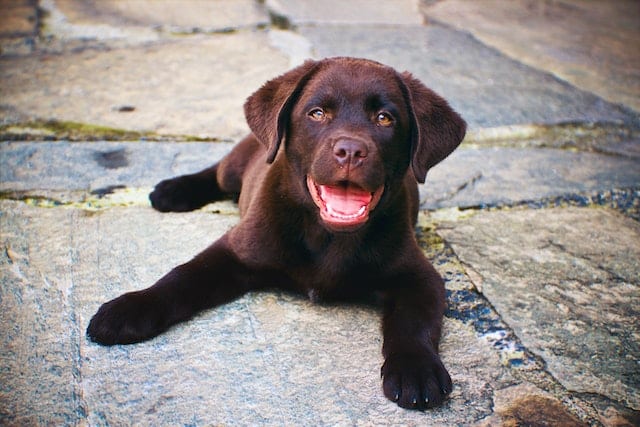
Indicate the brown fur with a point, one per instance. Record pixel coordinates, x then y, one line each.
380 131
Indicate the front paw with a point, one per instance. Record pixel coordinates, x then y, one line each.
128 319
415 380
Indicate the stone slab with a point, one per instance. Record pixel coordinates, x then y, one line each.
19 18
178 16
63 28
469 177
592 45
568 282
473 176
195 85
530 407
486 87
93 166
355 12
192 85
267 358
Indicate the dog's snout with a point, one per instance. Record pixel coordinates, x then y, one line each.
350 152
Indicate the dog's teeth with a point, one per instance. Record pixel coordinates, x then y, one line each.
341 215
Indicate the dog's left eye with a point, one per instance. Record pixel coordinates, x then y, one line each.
384 119
317 114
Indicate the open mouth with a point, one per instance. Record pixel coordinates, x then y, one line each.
344 206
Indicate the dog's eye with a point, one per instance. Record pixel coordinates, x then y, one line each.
384 119
317 114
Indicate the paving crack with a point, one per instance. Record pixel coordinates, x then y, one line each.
466 303
469 183
613 276
624 200
116 196
77 331
95 200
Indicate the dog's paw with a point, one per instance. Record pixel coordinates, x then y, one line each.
415 381
181 194
128 319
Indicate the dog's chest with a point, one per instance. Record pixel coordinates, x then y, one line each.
336 273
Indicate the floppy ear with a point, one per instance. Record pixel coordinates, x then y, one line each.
436 130
267 110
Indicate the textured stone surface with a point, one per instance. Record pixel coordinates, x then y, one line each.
197 85
264 359
192 86
92 166
522 75
18 18
487 87
494 175
524 404
355 12
593 45
568 282
184 16
469 177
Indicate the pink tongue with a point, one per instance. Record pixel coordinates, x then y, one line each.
346 200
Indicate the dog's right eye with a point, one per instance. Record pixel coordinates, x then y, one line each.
317 114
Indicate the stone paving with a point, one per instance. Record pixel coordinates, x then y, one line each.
533 221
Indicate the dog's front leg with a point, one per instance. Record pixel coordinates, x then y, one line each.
413 374
213 277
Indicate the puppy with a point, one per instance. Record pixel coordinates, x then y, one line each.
327 189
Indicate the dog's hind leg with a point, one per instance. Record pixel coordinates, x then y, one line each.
220 181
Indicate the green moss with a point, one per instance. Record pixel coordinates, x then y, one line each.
72 131
53 130
118 197
430 241
571 136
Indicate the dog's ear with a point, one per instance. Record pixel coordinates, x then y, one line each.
436 130
267 111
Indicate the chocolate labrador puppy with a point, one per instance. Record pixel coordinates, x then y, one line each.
327 189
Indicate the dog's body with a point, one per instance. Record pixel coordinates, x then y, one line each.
327 189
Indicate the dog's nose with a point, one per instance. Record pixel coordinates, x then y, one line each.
350 152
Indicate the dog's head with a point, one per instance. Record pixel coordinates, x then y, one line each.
351 128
